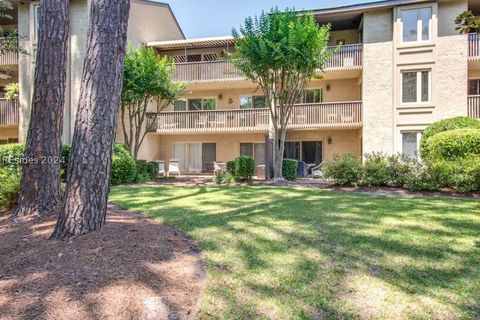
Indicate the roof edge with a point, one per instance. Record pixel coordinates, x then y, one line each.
164 4
363 6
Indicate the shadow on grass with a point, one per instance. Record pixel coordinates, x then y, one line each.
292 248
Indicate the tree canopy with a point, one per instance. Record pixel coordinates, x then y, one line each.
467 22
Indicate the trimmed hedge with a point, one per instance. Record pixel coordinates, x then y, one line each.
454 145
289 169
124 166
244 168
345 170
231 167
461 175
445 125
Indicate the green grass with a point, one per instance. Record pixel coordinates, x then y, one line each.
294 253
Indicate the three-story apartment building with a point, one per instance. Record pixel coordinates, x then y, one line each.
401 67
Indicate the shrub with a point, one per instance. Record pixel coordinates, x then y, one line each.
231 167
146 171
420 178
11 155
224 178
400 167
289 169
65 158
460 175
376 170
445 125
344 170
454 145
244 168
9 188
124 167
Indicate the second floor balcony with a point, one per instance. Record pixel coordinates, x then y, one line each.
304 116
473 108
9 113
348 57
8 58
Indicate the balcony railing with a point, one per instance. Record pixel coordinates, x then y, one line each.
9 58
8 112
474 107
349 57
304 116
473 46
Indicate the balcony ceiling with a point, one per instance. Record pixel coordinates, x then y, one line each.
344 21
193 43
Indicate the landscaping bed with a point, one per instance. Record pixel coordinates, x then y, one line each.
135 269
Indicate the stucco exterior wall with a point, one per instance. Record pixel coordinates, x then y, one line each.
378 82
8 132
160 147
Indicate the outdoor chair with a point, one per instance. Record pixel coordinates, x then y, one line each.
160 168
163 124
317 171
202 121
302 170
347 118
173 167
219 120
219 167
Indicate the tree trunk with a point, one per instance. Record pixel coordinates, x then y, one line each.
88 180
40 186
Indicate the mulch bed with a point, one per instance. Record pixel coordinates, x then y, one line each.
135 268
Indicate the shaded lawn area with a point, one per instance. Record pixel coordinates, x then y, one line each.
292 253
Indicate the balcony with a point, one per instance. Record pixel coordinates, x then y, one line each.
349 57
473 109
7 59
9 113
304 116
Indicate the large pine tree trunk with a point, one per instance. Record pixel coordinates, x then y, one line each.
89 171
40 186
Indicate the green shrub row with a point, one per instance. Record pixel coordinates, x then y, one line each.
399 171
453 145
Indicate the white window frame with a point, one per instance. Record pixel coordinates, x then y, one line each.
419 139
33 22
419 25
419 86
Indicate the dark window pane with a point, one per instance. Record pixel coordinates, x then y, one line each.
209 104
195 104
259 102
180 105
425 86
312 152
292 150
409 20
426 15
409 86
246 149
409 144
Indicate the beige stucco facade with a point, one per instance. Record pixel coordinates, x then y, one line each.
362 84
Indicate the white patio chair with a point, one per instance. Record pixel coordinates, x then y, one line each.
163 124
317 171
219 120
173 167
346 118
201 121
219 167
160 168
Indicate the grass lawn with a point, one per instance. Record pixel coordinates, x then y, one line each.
293 253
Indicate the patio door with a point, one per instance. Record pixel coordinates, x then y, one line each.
194 158
180 153
312 152
209 155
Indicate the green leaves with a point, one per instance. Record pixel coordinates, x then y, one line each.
467 22
147 76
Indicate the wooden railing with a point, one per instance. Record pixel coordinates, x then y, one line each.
304 116
8 112
9 58
474 107
349 57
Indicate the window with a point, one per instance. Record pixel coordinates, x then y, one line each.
292 150
180 105
201 104
474 87
410 142
310 96
246 149
415 86
416 24
36 22
255 102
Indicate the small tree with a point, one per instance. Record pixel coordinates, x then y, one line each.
281 52
467 22
147 79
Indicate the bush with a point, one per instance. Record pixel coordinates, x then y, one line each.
376 170
400 167
124 167
445 125
454 145
11 155
461 175
231 167
146 171
65 155
420 178
244 168
224 178
289 169
9 188
345 170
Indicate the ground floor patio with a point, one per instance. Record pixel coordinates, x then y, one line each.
197 152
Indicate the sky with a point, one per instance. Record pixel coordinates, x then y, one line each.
208 18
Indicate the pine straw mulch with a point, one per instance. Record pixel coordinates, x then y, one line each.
135 268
